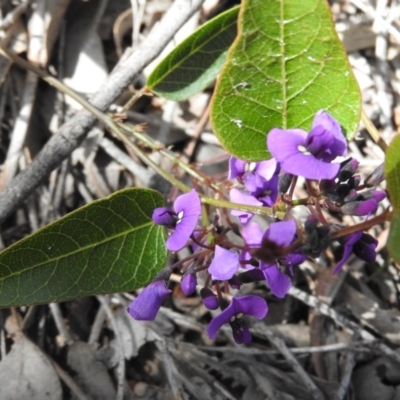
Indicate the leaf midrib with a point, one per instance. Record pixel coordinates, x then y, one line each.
81 249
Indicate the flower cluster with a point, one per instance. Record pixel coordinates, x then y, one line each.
219 265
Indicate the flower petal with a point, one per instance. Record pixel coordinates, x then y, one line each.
330 124
251 305
348 248
282 232
278 282
284 145
148 302
236 168
236 196
189 206
224 265
164 216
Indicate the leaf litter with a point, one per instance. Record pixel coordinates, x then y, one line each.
73 353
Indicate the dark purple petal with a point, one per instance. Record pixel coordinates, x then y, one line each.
278 282
239 307
348 249
365 248
240 331
267 191
318 142
224 265
339 144
148 302
188 210
236 196
164 216
210 300
236 168
188 284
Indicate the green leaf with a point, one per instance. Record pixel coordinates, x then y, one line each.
195 62
394 238
392 174
285 64
108 246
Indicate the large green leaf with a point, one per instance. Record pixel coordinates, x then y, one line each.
108 246
285 64
195 63
392 174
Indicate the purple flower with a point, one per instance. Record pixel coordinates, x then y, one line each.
147 304
224 265
183 219
309 154
236 196
280 234
267 191
238 308
188 284
246 171
362 245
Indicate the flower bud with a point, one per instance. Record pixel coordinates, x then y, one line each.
188 284
210 300
376 177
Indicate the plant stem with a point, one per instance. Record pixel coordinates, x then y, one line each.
373 131
363 226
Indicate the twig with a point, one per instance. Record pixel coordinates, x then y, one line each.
121 357
351 326
97 326
58 319
354 346
20 130
64 376
378 19
291 359
349 363
73 132
373 132
172 372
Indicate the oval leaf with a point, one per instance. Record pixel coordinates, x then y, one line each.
286 64
195 62
108 246
392 174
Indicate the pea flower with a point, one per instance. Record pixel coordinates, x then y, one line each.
183 219
278 235
239 307
361 244
148 302
252 173
309 154
236 196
